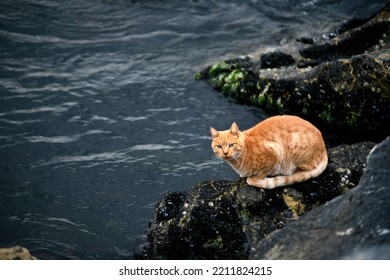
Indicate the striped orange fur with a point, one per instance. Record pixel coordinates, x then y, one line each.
279 151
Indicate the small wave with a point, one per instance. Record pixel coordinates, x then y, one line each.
107 157
104 119
26 38
192 136
151 147
180 121
191 167
20 123
120 156
166 109
133 119
64 220
62 139
55 109
20 96
46 74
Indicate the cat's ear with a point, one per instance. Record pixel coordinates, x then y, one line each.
214 132
234 130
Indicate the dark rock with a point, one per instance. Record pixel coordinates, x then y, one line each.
276 59
351 42
207 227
370 253
341 84
351 24
225 219
170 206
355 225
306 40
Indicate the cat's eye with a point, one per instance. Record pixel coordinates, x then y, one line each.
219 146
231 145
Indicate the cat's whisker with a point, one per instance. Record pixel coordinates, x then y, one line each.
215 160
236 158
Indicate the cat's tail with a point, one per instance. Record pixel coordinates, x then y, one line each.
299 176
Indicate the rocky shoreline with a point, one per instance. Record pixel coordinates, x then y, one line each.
231 220
341 84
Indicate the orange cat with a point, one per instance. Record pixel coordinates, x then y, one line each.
279 151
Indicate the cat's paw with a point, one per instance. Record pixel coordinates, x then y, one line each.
251 181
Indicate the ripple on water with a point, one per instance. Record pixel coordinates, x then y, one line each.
119 156
63 139
57 109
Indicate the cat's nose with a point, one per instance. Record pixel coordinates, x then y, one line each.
225 153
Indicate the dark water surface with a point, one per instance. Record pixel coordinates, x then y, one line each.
100 115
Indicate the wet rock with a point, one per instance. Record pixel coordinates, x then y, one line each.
381 252
15 253
340 83
353 40
227 219
306 40
353 226
207 227
276 59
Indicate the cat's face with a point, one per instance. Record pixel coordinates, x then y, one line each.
227 144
